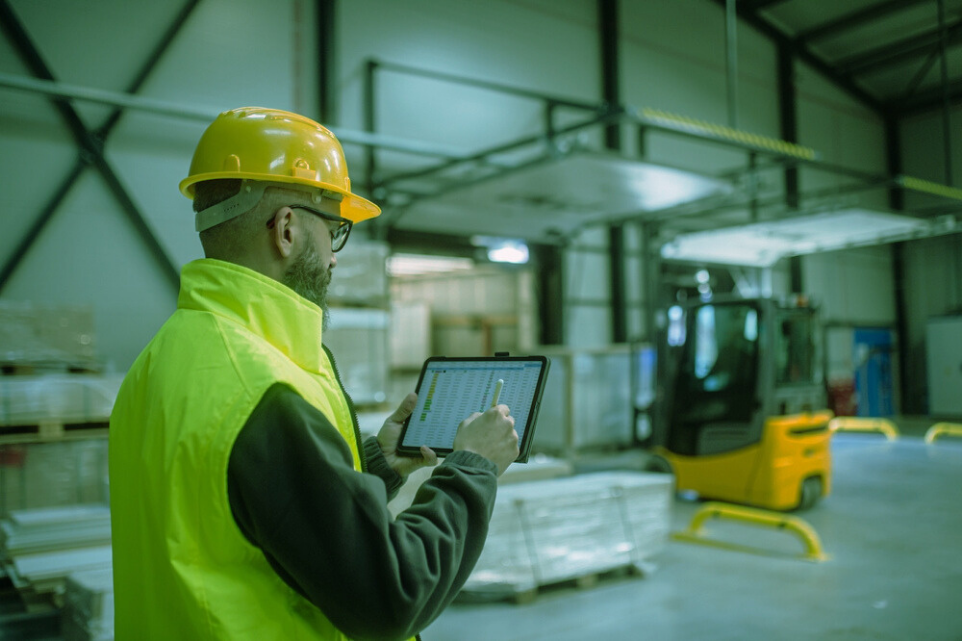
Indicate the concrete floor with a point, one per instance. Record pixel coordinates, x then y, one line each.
892 527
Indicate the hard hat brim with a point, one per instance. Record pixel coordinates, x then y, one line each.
353 207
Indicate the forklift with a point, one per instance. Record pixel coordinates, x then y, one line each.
742 411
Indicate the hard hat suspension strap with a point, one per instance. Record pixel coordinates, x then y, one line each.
249 196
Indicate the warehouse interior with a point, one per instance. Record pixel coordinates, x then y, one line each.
598 181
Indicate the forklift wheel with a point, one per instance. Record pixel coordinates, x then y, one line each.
809 493
657 464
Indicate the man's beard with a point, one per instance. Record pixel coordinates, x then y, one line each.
309 277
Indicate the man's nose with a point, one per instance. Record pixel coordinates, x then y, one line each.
334 260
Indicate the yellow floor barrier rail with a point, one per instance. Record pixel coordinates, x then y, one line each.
943 428
780 521
865 424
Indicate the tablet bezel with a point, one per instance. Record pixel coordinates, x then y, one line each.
525 446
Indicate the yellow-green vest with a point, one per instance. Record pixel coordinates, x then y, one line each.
182 568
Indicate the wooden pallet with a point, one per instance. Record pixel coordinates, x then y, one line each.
25 369
529 592
54 430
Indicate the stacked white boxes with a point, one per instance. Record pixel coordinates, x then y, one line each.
546 532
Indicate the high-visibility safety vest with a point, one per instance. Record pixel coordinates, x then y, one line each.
182 567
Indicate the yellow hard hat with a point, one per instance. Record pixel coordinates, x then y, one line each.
276 146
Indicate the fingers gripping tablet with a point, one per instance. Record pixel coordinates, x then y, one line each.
452 388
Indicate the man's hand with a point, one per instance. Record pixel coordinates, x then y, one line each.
490 434
388 437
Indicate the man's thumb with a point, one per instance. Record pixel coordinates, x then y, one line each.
406 407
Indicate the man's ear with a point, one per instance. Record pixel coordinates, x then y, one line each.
286 229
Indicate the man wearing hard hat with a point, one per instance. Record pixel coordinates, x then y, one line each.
244 504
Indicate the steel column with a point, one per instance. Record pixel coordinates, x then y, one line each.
327 61
550 293
894 165
732 65
611 94
945 84
786 78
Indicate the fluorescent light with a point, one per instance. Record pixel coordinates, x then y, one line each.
762 244
416 264
509 252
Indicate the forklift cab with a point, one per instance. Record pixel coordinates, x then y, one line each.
742 410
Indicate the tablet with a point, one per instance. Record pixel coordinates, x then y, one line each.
452 388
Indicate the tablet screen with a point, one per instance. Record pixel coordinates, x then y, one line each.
450 390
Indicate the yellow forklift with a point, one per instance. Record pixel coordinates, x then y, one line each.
742 416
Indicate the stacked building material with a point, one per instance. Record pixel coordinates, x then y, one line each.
41 547
35 337
89 606
57 398
361 279
587 403
358 338
357 332
54 408
545 532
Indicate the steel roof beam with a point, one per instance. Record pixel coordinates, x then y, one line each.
896 52
758 5
804 54
928 100
855 19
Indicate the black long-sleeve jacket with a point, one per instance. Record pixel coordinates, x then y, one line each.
326 530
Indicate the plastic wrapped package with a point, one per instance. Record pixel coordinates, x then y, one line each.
64 398
550 531
358 338
60 473
88 612
587 401
39 335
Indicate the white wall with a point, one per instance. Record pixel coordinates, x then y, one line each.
542 46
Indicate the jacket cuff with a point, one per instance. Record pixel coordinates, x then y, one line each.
472 460
378 465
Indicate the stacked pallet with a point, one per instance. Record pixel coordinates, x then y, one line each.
54 407
54 415
574 528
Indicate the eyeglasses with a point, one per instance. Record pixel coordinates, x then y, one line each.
339 235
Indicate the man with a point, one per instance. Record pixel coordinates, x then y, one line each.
244 504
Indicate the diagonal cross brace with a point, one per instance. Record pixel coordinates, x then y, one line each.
90 144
